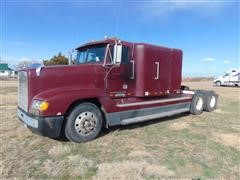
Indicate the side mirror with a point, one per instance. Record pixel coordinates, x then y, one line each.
117 55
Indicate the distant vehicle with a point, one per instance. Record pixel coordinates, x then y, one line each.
230 78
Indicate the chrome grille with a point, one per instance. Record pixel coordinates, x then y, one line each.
23 90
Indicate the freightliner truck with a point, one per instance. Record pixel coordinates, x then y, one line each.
112 82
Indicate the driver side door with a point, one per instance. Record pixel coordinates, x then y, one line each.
117 82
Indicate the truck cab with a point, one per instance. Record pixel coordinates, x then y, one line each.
112 82
230 78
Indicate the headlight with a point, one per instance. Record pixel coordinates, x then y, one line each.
40 105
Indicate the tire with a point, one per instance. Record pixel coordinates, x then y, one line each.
210 101
218 83
84 123
197 104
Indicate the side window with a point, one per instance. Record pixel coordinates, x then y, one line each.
125 55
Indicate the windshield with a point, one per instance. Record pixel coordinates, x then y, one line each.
91 54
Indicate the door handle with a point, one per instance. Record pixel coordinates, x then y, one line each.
133 71
157 73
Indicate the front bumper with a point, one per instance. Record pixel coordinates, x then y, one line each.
45 126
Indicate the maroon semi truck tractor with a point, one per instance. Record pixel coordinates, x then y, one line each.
112 82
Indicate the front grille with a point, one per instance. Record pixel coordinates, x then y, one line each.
23 90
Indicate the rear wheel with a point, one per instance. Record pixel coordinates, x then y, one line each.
211 100
197 104
84 123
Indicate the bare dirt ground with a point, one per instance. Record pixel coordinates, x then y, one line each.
183 146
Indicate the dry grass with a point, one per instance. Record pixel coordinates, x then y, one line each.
131 170
184 146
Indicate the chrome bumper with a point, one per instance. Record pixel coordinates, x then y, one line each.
26 119
45 126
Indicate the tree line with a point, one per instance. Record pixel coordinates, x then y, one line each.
58 59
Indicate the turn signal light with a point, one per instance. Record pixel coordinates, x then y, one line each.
44 106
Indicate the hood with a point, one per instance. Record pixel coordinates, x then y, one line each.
219 78
53 77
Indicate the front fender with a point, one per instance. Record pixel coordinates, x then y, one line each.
61 98
218 79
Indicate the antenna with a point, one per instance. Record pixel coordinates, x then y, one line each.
117 18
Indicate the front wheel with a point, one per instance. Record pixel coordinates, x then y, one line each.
84 123
218 83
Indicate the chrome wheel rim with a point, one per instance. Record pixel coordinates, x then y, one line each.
85 123
199 103
212 101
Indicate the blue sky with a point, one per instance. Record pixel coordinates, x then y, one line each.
207 32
